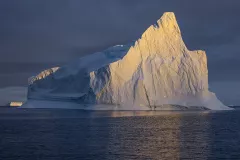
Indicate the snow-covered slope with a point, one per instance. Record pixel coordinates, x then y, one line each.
154 72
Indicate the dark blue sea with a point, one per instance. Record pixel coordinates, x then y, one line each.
58 134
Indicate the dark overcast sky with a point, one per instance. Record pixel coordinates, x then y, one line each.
37 34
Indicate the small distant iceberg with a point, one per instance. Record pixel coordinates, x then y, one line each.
13 94
15 104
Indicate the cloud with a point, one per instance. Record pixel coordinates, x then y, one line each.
49 31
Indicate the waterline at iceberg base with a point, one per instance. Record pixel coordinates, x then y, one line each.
156 72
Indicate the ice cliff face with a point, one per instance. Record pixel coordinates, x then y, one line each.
155 71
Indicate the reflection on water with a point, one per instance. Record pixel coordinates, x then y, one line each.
73 134
148 137
195 137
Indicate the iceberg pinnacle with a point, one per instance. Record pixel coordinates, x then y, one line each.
168 23
156 71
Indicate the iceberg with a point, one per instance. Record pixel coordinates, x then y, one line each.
15 104
13 94
156 72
